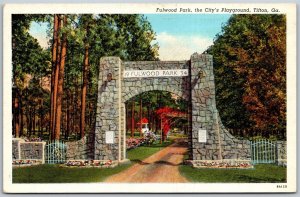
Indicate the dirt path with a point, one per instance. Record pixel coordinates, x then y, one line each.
160 167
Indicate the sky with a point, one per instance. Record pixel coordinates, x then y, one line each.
178 35
39 31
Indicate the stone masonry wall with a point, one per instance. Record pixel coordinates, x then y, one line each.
281 153
15 149
82 149
220 143
32 150
132 87
28 150
76 149
107 117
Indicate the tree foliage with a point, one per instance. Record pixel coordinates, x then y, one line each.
27 55
250 71
30 65
89 37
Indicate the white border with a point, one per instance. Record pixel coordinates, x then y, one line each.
288 9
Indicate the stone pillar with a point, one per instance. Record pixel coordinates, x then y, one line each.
108 109
220 144
204 109
16 149
281 153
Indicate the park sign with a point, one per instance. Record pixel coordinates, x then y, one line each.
202 137
109 137
155 73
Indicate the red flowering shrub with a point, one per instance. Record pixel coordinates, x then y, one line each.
166 114
134 142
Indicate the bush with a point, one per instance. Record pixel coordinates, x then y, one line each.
150 137
134 142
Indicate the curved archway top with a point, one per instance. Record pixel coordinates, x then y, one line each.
130 95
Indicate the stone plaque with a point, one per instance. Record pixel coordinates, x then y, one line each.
202 135
109 137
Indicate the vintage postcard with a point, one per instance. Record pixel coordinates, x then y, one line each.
149 98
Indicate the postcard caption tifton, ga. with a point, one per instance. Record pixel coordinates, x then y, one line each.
213 10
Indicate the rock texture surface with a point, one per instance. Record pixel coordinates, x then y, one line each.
82 149
281 153
22 150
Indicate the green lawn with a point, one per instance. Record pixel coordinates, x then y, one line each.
142 152
262 173
51 173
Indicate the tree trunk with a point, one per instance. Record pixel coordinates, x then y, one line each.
41 119
141 116
85 82
73 112
14 116
56 78
148 115
68 117
21 115
127 118
29 122
54 75
17 116
60 83
33 121
90 107
132 119
76 105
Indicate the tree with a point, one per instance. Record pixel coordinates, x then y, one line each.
30 65
61 67
136 34
110 35
89 37
250 71
55 71
166 115
87 21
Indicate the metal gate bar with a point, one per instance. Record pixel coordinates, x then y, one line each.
263 151
56 152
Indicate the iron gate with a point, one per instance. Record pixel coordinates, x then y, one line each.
56 152
263 151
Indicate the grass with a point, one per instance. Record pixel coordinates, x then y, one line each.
142 152
262 173
51 173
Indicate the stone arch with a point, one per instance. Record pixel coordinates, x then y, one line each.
197 87
140 91
132 95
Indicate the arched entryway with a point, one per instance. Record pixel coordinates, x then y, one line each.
156 118
192 80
